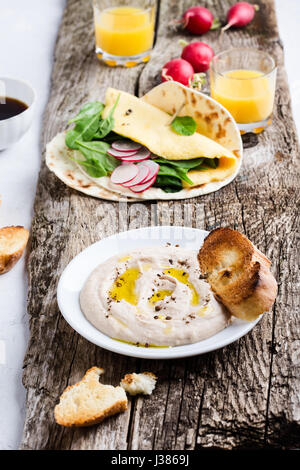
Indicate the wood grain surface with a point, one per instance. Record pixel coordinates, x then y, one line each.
246 395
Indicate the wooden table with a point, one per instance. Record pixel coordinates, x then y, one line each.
245 395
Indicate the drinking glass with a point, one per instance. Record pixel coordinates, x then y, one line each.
243 81
124 32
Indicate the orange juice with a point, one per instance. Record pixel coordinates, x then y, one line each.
124 31
247 94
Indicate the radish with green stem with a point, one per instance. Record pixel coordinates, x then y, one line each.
179 70
240 14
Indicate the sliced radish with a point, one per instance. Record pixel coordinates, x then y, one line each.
124 173
141 155
139 188
153 166
143 172
117 154
125 145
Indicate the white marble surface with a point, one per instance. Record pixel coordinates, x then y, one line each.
27 37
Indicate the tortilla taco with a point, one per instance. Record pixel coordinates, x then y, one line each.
173 143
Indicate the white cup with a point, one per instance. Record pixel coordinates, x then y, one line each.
13 128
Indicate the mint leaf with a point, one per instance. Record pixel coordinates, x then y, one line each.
184 125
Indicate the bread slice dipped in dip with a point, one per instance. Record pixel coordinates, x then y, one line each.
153 296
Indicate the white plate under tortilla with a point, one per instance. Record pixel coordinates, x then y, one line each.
78 270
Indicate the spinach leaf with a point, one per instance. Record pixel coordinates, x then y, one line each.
175 172
110 138
93 167
96 157
169 184
71 136
88 111
184 125
172 172
86 124
210 163
83 137
106 125
93 147
185 164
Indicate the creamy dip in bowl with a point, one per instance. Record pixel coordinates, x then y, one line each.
153 296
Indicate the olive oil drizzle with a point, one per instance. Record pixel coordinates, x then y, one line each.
140 345
182 276
123 287
160 295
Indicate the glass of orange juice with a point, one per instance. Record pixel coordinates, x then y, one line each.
124 32
243 81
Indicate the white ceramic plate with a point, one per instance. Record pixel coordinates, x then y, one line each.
78 270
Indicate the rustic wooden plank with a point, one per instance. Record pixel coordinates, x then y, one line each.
246 394
235 398
65 222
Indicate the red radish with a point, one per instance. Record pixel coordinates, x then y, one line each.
178 70
199 20
153 166
142 187
240 14
125 146
134 159
198 54
141 177
124 173
141 155
120 155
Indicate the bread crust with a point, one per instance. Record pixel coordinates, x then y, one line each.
13 241
89 384
239 274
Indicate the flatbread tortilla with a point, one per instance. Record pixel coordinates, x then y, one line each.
212 121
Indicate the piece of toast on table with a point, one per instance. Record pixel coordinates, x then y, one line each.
89 402
13 241
238 273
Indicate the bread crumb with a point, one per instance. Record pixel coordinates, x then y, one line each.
143 383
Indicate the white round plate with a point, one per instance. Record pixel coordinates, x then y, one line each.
79 269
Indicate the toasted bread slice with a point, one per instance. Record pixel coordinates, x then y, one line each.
89 402
13 241
238 273
139 383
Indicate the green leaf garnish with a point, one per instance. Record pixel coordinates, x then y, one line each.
184 125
